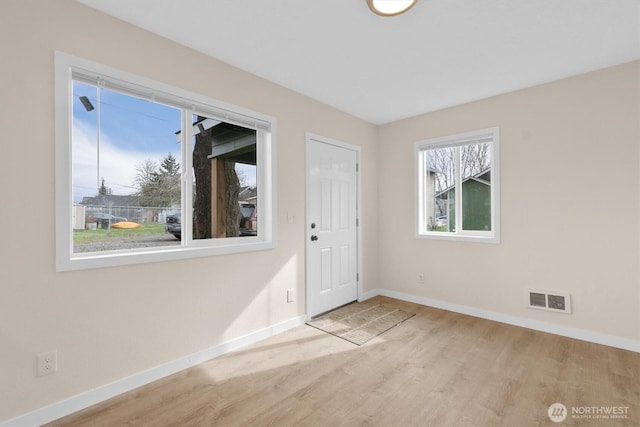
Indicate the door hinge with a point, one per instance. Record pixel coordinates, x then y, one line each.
357 222
357 277
357 167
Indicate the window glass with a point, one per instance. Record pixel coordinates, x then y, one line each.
224 180
440 182
147 172
126 170
475 165
457 191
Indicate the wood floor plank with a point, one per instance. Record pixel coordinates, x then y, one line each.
436 369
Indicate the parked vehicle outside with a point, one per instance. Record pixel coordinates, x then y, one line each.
249 220
173 225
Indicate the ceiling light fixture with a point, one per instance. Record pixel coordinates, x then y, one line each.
390 7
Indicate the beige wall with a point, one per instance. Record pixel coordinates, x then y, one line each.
570 193
111 323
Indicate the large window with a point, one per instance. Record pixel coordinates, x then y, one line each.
457 187
147 172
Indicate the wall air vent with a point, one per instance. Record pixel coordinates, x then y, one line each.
550 301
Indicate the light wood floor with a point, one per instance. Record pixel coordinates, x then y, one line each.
437 369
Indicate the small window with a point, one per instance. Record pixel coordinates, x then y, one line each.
458 187
148 172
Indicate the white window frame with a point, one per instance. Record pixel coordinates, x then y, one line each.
69 68
421 231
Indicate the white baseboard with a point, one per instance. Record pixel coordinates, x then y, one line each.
102 393
370 294
552 328
107 391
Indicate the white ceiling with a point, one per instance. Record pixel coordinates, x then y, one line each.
441 53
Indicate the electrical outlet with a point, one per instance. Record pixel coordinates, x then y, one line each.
289 295
421 279
291 218
47 363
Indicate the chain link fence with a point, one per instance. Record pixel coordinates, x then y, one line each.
101 215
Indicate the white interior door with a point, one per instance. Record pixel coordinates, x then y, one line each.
332 236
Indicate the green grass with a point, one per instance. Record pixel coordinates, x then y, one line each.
100 235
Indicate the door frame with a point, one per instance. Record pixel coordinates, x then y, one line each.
311 138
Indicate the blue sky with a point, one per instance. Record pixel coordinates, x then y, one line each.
131 131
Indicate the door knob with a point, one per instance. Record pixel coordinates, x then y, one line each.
314 238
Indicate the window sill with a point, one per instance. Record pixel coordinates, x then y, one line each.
460 237
150 255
